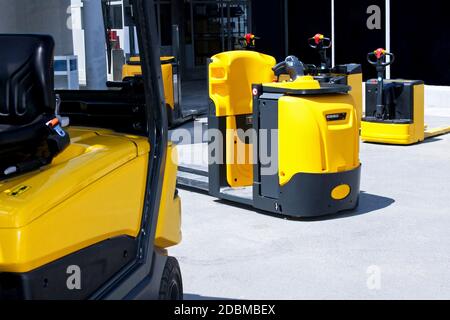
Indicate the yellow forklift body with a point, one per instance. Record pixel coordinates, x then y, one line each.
87 211
168 229
93 191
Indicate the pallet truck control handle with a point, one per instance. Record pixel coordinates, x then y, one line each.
249 41
377 58
319 41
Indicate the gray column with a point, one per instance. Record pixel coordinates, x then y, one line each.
8 17
94 38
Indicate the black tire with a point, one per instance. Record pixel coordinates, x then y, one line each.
171 283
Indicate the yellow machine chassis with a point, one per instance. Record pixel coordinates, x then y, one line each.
91 192
403 134
317 171
133 69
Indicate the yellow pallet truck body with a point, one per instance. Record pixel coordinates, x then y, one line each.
315 150
171 85
133 68
86 211
394 108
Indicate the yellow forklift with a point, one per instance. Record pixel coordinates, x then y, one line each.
87 211
394 108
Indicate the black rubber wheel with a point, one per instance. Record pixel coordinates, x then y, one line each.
171 283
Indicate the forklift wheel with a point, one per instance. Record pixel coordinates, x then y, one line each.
171 282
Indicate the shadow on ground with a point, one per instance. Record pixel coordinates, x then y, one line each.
433 139
368 203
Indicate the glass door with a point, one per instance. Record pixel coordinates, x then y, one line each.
206 17
234 22
214 26
163 10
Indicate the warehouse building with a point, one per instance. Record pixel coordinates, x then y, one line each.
420 39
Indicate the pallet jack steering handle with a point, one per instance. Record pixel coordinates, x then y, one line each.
380 55
380 63
249 41
319 41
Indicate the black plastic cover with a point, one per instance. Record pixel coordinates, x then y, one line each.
325 88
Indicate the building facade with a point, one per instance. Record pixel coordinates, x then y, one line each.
417 34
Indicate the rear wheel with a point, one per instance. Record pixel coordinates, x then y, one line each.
171 282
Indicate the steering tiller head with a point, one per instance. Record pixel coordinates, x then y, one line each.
248 41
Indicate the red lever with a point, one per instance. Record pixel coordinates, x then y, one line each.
249 37
318 37
379 53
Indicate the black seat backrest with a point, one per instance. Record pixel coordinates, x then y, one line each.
26 78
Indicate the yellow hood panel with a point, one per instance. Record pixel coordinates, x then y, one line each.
90 156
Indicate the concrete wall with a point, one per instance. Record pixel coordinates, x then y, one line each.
7 16
437 98
31 16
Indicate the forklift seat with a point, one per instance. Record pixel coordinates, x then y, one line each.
30 134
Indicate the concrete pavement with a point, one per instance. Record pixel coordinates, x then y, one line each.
395 246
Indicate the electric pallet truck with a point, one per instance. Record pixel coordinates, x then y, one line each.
87 211
172 88
394 108
308 128
170 67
